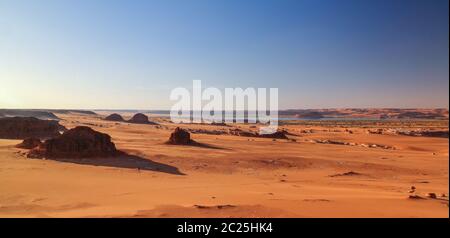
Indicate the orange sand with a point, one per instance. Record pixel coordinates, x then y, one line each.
257 177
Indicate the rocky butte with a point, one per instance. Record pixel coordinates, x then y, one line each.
180 137
140 118
27 127
79 142
114 117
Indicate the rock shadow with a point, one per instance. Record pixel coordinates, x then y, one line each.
198 144
126 161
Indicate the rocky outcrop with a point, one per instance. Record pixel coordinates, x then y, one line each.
180 137
438 134
333 142
239 132
416 132
114 117
26 127
281 134
208 132
29 143
140 118
378 131
276 135
219 124
79 142
40 114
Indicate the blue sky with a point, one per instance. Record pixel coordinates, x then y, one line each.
131 54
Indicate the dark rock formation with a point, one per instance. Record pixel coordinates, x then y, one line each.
425 133
40 114
239 132
432 195
29 143
140 118
208 132
276 135
378 131
219 124
180 137
79 142
25 127
351 173
114 117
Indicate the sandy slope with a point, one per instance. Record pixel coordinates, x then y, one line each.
234 177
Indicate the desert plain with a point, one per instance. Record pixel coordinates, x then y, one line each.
325 168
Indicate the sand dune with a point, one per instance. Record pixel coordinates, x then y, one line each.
235 176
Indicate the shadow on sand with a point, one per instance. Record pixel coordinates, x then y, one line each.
124 160
201 145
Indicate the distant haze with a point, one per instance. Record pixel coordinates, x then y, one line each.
131 54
